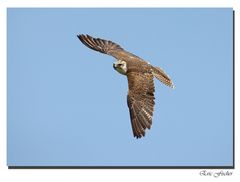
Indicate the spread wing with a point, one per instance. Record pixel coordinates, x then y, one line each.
104 46
140 101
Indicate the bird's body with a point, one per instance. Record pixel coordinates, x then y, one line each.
140 76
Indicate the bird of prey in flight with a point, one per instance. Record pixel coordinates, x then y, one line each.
140 74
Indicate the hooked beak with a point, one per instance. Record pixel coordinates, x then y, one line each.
114 65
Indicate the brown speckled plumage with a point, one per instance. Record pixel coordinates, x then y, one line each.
140 74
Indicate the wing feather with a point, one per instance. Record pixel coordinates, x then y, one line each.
140 101
103 46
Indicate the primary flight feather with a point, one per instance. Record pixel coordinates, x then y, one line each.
140 74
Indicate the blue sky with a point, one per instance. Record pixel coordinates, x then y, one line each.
67 105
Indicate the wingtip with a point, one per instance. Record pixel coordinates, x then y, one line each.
83 37
139 136
88 36
79 36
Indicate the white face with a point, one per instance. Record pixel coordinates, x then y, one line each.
120 66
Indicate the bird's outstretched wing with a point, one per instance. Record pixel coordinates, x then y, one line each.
104 46
140 101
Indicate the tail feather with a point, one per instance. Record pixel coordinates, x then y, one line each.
162 76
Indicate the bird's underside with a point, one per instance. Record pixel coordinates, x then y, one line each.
140 74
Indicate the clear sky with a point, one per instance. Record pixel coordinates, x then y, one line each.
67 106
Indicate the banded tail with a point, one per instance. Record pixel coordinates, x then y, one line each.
162 76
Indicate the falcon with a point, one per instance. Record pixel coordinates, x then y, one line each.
140 74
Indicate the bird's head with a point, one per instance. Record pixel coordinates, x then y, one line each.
120 66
